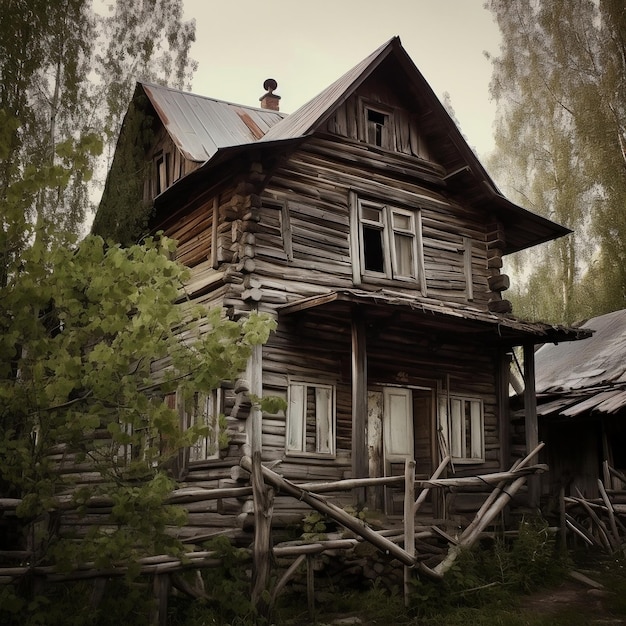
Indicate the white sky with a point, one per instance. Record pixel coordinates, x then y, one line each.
306 44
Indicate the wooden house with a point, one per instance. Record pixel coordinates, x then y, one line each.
366 226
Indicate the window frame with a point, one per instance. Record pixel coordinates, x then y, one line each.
161 178
296 430
389 233
463 447
387 129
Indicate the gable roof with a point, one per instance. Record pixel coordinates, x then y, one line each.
218 131
200 126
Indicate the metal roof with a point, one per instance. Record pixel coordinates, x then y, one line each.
199 126
590 363
586 377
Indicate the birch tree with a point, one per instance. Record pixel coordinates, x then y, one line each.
559 85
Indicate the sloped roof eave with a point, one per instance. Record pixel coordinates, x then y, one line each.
515 330
222 156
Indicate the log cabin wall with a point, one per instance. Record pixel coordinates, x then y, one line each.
295 238
275 243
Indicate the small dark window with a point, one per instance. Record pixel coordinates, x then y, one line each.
373 249
376 122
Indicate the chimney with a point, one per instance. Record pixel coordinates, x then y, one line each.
270 100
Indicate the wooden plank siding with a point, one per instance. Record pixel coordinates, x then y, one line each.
319 211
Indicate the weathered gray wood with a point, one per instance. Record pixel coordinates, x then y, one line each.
409 522
359 404
262 547
334 512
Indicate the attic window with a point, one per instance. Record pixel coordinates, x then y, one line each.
376 124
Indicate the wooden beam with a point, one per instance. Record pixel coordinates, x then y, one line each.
530 417
339 515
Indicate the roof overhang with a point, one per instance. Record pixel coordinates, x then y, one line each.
450 317
222 158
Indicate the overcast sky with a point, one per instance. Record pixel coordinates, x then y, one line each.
306 44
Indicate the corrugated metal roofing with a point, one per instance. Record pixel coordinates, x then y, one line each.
596 361
585 377
200 126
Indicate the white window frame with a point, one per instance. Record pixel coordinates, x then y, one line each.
457 413
205 410
298 431
389 233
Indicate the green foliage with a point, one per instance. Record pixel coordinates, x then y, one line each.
80 332
68 604
491 576
67 72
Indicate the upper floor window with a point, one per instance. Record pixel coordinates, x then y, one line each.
311 419
462 422
388 241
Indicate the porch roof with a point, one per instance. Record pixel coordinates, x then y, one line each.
434 313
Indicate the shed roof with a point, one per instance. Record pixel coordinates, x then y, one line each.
584 377
596 361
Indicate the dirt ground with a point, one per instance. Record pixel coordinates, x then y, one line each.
577 596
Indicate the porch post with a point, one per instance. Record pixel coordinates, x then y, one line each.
530 418
504 408
359 403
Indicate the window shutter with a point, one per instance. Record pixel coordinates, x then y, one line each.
295 423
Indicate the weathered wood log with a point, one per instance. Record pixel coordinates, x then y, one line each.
610 512
262 547
334 512
602 529
293 568
409 522
420 499
580 531
467 539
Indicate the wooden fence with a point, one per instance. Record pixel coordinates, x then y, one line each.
395 543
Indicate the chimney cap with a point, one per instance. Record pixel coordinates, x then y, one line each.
269 100
270 84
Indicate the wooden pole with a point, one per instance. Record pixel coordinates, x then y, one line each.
319 504
262 548
530 417
467 539
310 586
409 522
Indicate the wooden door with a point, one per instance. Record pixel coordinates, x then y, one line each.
398 441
